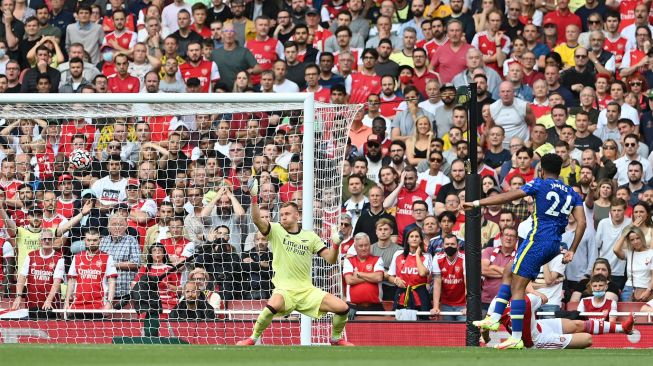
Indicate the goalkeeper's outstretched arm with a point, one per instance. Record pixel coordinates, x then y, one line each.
262 224
331 255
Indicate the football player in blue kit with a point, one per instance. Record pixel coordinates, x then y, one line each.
554 202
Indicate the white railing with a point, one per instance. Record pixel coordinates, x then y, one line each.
229 313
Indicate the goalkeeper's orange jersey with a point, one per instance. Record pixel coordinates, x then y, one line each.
292 255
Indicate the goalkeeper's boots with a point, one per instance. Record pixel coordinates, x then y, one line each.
487 324
341 342
510 343
628 324
246 342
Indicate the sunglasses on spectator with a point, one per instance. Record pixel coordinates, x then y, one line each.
609 147
630 144
593 22
636 83
436 160
581 56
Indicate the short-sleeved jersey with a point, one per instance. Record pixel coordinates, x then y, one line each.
26 241
205 71
453 279
292 255
406 268
91 274
616 47
554 201
586 304
65 208
362 86
364 292
40 272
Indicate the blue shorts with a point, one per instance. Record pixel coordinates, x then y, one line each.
532 255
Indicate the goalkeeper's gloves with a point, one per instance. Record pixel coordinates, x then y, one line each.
336 236
252 184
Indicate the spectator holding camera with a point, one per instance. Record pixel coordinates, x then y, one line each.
633 248
221 261
225 210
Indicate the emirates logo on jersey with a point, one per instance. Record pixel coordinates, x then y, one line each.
98 263
51 265
368 267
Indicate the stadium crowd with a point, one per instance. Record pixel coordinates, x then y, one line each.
97 204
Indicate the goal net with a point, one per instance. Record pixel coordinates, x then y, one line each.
127 216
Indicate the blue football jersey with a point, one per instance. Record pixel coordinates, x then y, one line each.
554 201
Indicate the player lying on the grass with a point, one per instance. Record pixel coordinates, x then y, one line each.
554 201
292 252
557 333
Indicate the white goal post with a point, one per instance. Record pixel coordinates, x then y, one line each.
89 105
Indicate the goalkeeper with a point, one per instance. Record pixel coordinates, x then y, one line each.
292 253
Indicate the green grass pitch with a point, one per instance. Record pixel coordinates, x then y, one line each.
161 355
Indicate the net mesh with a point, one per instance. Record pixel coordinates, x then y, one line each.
145 178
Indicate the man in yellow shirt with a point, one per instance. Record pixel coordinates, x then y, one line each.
566 49
570 171
292 252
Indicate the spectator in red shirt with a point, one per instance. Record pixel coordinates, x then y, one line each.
363 275
123 82
450 58
41 274
91 278
562 17
449 281
403 197
294 181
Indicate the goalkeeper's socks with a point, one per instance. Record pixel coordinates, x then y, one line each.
600 326
501 301
338 325
517 310
263 321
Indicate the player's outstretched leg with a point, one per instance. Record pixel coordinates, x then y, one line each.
340 310
517 310
491 321
599 326
264 319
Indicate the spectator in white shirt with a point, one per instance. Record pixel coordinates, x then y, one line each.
281 84
631 145
607 233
